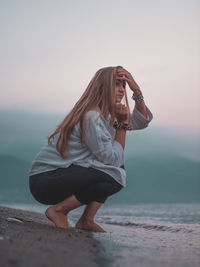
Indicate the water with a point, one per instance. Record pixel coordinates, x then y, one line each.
163 168
162 163
150 235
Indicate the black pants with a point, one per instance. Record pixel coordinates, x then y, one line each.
87 184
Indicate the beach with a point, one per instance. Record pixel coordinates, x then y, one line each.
37 242
149 235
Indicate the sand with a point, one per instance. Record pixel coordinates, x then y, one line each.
37 242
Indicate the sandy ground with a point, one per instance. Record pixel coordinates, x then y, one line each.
37 242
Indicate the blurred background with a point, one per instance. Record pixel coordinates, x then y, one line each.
49 52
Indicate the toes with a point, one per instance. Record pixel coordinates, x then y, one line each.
88 226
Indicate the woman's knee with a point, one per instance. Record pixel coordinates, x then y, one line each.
105 188
109 188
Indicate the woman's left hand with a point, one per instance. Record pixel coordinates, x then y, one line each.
123 74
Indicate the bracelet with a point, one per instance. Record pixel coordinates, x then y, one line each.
138 98
122 126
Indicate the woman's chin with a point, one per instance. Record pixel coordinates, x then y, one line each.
118 100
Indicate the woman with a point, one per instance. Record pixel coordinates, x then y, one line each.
83 162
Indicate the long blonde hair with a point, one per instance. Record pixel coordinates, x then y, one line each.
99 93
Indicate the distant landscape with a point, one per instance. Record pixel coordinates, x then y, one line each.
162 163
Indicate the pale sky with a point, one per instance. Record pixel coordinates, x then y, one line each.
50 50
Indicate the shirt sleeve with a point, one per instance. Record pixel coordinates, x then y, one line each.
138 120
99 141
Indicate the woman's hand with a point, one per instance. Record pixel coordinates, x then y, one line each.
123 74
121 113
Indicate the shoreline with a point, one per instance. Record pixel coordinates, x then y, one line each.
37 242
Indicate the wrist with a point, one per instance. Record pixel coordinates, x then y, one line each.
123 122
138 96
137 91
122 125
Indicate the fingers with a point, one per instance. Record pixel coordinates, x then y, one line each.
123 74
121 112
122 78
122 109
121 71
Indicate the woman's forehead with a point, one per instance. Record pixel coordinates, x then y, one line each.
121 81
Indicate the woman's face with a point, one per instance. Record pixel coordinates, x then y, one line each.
120 87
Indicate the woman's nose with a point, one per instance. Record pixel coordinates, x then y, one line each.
121 88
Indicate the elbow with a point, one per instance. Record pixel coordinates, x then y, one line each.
113 159
139 126
143 126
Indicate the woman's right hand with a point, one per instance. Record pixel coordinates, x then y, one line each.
121 113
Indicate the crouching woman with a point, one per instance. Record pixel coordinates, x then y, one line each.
83 162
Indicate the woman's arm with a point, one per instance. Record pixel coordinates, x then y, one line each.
121 113
141 115
99 141
120 136
141 105
138 120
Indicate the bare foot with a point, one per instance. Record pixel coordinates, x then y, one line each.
57 217
89 225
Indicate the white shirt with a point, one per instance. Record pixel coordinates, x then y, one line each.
99 151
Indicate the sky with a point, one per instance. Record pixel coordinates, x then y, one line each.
50 50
